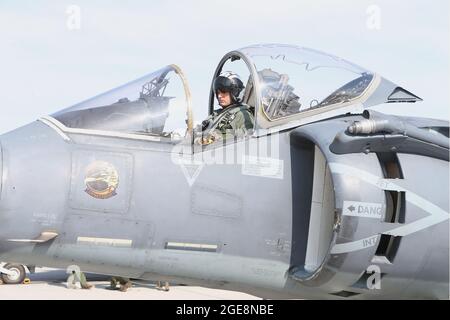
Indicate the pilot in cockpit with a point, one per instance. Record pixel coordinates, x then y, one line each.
235 118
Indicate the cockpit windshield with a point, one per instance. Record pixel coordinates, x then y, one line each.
154 105
295 79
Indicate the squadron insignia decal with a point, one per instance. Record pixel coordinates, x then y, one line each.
101 180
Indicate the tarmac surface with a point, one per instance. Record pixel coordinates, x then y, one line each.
51 284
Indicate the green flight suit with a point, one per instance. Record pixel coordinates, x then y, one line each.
234 121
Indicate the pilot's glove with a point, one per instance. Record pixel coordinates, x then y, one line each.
208 138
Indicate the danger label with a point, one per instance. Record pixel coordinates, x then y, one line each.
363 209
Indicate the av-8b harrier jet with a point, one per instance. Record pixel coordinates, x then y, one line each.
323 198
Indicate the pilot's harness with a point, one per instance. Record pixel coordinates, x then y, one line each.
223 118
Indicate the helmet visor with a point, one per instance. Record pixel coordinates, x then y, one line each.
222 84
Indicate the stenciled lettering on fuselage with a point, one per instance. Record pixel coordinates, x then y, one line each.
101 180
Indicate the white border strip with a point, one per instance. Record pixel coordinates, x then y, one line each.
320 115
104 133
355 105
54 127
105 242
191 246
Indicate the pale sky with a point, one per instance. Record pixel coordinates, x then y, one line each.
45 66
